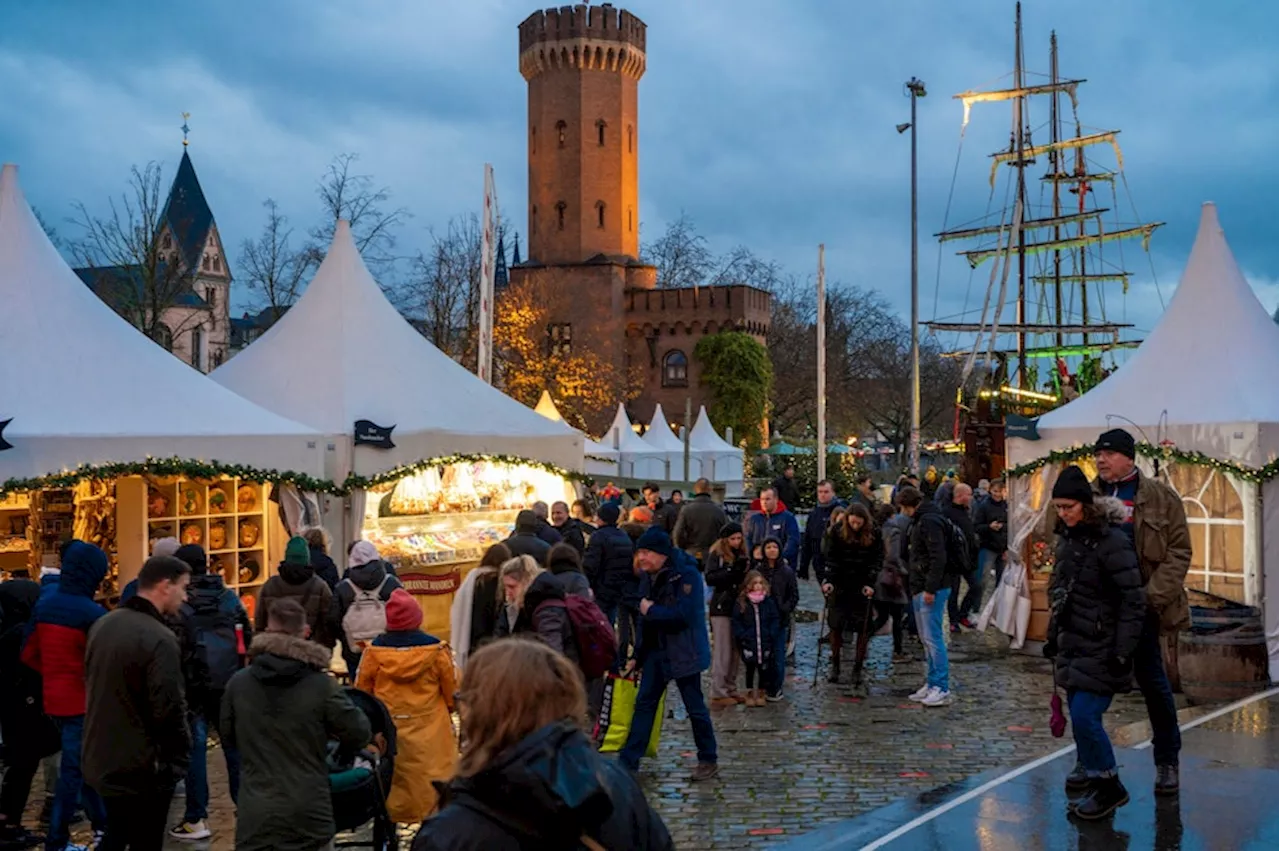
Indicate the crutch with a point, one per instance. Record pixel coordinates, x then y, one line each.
817 662
860 651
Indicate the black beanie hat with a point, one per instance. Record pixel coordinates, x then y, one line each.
1116 440
194 557
1073 484
730 529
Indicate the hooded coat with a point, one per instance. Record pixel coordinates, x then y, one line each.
280 713
726 577
607 565
545 792
58 631
364 577
927 550
550 624
412 673
783 585
1098 605
850 567
21 696
891 584
300 582
675 627
209 601
325 567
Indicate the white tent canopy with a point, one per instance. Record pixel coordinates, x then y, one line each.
635 457
1207 379
721 460
662 440
84 387
600 460
343 353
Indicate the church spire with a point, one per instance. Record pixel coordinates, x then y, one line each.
515 253
500 266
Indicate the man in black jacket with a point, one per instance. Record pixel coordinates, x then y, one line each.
546 532
136 741
991 521
957 510
665 514
785 487
699 523
525 541
815 527
608 565
572 532
927 577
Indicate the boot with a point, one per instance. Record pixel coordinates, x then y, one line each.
859 687
759 697
834 676
1167 779
1106 795
1077 780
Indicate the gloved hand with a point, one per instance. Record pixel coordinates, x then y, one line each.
1050 649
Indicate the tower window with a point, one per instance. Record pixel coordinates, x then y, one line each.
600 125
560 208
559 338
561 129
628 138
197 343
533 218
675 369
167 242
628 220
211 296
533 140
600 214
208 262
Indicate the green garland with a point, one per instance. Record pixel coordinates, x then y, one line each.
355 482
166 467
1257 475
178 467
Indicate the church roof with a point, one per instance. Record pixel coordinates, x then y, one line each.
187 213
108 282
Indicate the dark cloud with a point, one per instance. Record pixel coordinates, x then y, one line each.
771 124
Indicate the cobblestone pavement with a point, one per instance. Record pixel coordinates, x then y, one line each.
821 755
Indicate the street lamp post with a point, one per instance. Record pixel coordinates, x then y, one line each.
915 89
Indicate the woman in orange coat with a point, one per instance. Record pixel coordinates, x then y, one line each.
412 674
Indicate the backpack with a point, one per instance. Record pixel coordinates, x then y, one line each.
592 632
366 617
957 548
216 648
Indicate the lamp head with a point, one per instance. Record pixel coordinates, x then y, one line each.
903 128
916 87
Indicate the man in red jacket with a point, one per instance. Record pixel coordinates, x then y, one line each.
55 647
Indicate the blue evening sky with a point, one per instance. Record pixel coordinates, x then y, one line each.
770 123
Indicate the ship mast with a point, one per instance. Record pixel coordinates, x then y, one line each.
1055 161
1019 104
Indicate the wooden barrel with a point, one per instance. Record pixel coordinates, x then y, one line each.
1224 661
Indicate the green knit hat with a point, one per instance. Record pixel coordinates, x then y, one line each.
297 551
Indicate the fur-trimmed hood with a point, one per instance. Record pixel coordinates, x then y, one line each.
284 659
1112 513
1114 510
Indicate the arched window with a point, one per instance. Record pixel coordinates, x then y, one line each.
163 335
600 125
167 242
560 208
675 369
533 140
533 218
600 214
628 138
628 220
197 344
561 129
208 263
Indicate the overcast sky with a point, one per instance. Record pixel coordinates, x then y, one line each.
770 123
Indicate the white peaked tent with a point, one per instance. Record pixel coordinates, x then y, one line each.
343 353
662 440
83 387
636 459
721 460
600 460
1206 379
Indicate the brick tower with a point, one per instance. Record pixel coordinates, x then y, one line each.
583 64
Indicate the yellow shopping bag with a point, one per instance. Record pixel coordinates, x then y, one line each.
616 711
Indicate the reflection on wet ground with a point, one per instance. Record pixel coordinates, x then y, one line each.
1230 788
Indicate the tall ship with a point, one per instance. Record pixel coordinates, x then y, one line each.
1055 250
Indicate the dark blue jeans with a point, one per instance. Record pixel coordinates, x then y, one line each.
71 787
1093 746
198 773
1148 670
653 684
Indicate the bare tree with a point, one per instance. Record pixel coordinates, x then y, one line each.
49 230
133 272
684 259
345 194
273 271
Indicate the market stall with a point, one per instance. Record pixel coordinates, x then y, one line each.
1200 396
721 460
437 462
636 459
106 437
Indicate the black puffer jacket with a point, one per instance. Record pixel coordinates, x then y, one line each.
545 792
726 577
989 511
607 564
548 623
1098 606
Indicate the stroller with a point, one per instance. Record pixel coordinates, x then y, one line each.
360 797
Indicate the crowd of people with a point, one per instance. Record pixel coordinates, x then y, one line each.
577 598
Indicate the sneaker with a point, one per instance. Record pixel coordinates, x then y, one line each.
968 622
774 698
191 830
180 790
704 771
920 694
937 697
98 836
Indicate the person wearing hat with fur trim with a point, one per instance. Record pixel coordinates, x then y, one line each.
673 646
1097 610
727 565
412 673
1156 524
296 578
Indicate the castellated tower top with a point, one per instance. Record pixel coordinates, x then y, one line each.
599 38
